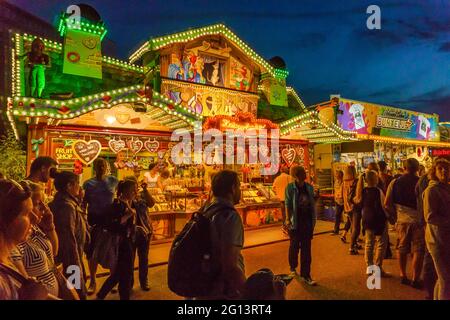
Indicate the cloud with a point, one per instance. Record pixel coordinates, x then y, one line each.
435 101
307 40
445 47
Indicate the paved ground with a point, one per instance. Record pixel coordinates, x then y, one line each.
339 275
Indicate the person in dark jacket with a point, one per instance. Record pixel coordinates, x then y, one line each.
71 226
144 231
301 220
121 218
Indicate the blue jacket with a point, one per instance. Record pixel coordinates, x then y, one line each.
291 202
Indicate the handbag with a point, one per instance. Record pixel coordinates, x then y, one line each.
106 249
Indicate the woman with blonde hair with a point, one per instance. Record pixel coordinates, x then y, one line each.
436 206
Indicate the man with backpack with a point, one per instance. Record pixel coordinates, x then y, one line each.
205 260
401 202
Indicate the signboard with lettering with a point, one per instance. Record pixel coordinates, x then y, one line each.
368 118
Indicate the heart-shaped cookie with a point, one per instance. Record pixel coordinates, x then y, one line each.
151 146
90 43
135 146
116 145
288 155
87 152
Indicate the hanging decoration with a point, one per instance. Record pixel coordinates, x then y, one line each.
116 145
68 143
86 151
288 155
135 145
151 146
35 143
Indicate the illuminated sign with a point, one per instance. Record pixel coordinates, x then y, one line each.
64 153
369 118
440 152
393 123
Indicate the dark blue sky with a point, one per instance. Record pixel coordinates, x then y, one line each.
326 45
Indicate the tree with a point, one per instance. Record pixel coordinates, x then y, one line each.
12 157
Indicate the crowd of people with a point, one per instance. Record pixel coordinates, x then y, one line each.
417 203
43 241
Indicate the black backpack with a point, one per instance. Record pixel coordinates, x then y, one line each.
194 264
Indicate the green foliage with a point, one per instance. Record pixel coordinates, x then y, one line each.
12 158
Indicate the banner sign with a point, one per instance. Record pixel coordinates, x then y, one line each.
82 54
368 118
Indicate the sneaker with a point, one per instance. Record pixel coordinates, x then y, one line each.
343 239
405 281
293 273
353 252
92 288
309 281
417 285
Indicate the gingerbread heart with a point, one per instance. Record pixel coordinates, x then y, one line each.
288 156
135 146
151 146
87 152
116 145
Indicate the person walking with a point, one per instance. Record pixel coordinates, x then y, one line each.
339 200
71 226
374 219
98 196
437 216
120 222
348 188
144 231
401 202
300 221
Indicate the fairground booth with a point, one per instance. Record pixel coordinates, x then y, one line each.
76 104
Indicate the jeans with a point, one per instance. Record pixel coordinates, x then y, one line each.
337 223
438 244
142 246
356 227
122 274
381 244
300 243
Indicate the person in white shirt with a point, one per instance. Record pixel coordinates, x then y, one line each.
279 186
152 177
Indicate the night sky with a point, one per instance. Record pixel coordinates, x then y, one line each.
326 45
